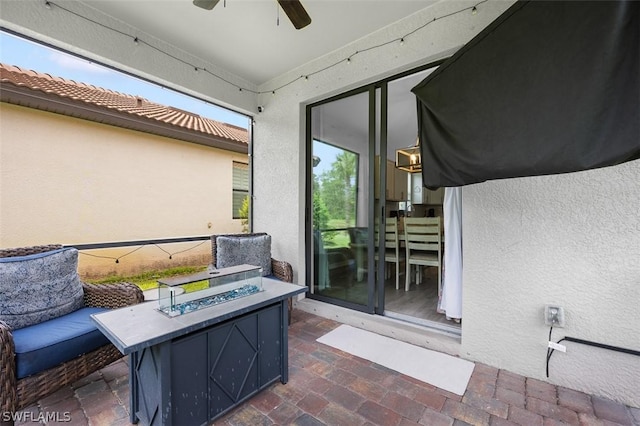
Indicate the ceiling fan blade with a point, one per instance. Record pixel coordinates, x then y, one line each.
206 4
296 13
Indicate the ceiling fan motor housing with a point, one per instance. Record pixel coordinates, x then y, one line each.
293 8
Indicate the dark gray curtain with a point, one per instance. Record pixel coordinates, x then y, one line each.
549 87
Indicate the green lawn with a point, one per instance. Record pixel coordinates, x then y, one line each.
149 280
338 238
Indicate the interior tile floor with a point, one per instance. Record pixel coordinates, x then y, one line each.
330 387
420 303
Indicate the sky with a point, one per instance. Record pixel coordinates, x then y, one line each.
33 56
327 154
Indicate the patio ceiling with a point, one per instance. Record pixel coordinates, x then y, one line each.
243 36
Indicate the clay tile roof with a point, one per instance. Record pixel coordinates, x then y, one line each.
120 102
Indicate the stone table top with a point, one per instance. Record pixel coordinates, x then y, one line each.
136 327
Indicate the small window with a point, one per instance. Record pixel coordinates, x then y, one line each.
240 189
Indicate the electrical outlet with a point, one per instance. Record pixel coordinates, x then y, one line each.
554 315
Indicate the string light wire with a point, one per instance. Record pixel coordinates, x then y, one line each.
171 254
181 251
401 40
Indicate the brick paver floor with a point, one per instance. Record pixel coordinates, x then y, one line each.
330 387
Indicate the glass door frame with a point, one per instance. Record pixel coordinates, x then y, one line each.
380 214
370 307
376 287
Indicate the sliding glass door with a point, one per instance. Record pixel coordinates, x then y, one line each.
358 201
341 135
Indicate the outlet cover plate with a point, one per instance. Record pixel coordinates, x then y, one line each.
554 315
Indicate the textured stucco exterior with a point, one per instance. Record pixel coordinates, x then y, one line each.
71 181
571 239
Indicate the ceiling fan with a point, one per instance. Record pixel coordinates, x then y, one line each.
293 8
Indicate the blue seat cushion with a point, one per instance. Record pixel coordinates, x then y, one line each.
42 346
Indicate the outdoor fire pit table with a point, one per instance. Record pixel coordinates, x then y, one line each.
191 368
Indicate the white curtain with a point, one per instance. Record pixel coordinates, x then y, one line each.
451 300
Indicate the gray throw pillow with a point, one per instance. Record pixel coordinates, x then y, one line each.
250 250
39 287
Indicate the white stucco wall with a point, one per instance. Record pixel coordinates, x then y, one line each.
71 181
571 240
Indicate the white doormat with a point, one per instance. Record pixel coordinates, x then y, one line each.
438 369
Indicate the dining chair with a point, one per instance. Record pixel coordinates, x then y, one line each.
423 245
393 253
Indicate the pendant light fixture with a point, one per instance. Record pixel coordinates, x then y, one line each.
408 159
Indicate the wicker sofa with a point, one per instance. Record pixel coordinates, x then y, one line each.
18 392
261 241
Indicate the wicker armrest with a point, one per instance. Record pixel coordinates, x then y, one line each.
112 295
282 270
7 369
25 251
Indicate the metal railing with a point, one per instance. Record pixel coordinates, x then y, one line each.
140 244
93 246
